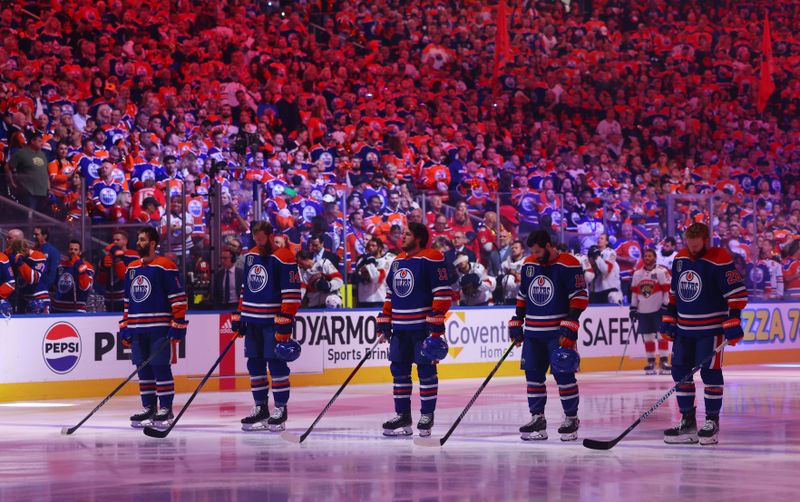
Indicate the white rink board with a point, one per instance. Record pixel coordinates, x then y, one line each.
338 340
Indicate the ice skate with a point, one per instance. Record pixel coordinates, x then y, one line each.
277 421
399 425
650 368
708 434
664 367
257 420
425 425
163 419
683 433
569 429
535 430
144 418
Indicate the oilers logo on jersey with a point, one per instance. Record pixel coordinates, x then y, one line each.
140 289
65 283
403 283
541 290
257 278
108 196
689 286
756 275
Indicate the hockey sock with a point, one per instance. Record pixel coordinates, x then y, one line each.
147 386
401 374
428 387
663 348
259 386
649 344
537 393
165 386
279 371
568 392
712 393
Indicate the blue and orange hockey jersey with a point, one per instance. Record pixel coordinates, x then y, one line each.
704 290
154 295
417 286
7 282
75 279
271 286
548 292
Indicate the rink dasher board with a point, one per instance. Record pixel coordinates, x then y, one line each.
61 356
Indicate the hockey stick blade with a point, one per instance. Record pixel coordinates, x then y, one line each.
65 431
430 442
291 437
155 433
594 444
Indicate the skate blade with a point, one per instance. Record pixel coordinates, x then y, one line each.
572 436
142 424
404 431
277 427
292 438
256 427
665 372
649 372
681 440
162 426
709 441
424 433
533 436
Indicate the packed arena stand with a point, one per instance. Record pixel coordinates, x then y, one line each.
612 128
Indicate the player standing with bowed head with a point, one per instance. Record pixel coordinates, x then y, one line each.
269 301
649 300
417 299
154 310
552 296
706 299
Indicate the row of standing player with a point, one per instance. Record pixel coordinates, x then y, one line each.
706 296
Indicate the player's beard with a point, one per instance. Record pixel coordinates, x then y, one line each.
266 249
665 253
143 251
545 258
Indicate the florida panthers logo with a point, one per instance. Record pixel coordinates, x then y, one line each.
646 289
257 278
65 282
403 283
540 290
689 286
140 289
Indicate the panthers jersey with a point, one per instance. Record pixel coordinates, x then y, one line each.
549 291
154 295
703 290
416 286
74 280
650 289
271 286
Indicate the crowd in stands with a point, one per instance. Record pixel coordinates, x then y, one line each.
356 117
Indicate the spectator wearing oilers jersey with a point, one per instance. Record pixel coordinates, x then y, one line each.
706 298
649 299
7 284
268 304
791 271
552 296
30 269
154 312
112 272
75 280
418 298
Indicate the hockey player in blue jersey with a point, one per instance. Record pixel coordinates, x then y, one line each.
154 310
551 298
706 298
269 301
412 321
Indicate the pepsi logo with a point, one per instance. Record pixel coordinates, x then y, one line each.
403 283
689 286
140 289
61 348
257 278
541 290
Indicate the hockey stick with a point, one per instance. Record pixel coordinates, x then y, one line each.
428 441
69 430
594 444
294 438
162 433
634 327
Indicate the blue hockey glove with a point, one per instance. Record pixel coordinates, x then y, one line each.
177 329
516 330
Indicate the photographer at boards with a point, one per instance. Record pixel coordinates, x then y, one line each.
605 288
320 281
371 269
474 284
509 279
